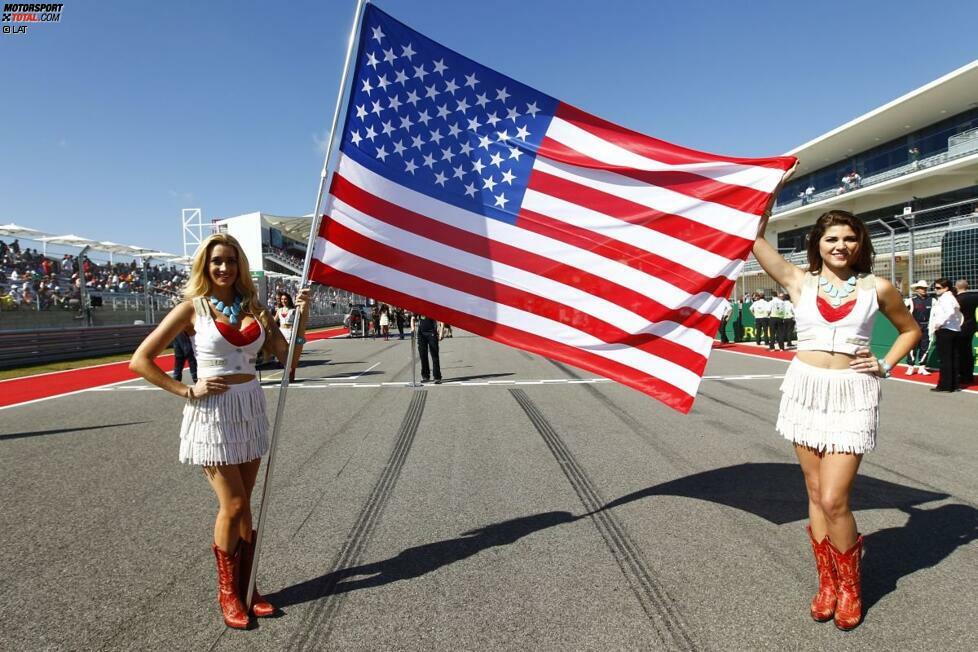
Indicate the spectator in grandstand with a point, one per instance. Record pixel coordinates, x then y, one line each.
761 309
914 154
224 427
919 305
809 193
830 394
968 300
429 334
945 327
7 302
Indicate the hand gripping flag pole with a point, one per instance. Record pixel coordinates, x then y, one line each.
313 233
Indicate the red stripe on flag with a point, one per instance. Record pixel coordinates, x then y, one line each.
655 387
700 235
670 271
413 265
737 197
402 218
654 148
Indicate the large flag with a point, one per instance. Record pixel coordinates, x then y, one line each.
469 197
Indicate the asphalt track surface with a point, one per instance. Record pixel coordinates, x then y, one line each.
520 505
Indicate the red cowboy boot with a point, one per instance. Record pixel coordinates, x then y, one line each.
823 604
233 610
260 607
849 609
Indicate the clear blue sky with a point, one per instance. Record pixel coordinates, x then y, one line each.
125 112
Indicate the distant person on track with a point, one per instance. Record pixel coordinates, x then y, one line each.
183 353
919 305
830 394
761 309
968 300
399 321
285 315
945 324
429 333
225 428
385 322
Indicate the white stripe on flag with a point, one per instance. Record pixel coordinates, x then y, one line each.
651 286
717 216
516 278
453 299
661 244
751 176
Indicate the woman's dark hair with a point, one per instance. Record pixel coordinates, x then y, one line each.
864 252
288 299
944 283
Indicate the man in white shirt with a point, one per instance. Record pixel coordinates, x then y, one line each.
761 310
775 323
789 321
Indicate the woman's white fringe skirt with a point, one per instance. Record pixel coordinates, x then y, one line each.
228 428
829 410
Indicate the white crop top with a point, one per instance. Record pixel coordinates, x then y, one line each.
852 332
215 355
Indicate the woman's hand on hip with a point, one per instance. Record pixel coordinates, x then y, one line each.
205 386
865 362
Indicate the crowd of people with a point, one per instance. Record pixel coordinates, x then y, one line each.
31 280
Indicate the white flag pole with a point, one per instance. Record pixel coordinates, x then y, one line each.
313 233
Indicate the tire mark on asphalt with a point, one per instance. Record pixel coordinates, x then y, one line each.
658 605
318 625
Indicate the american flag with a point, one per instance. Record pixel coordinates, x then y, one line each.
467 196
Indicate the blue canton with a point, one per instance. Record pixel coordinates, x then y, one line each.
434 121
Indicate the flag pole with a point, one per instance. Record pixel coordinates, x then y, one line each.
313 232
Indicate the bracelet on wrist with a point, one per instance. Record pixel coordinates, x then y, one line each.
190 392
885 368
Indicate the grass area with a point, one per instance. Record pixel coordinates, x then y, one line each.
61 366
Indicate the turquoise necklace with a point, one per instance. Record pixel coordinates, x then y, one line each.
837 295
231 312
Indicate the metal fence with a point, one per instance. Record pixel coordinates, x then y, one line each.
940 242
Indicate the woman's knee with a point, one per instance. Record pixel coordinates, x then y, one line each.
235 508
834 504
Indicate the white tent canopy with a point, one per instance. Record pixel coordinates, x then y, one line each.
16 231
70 240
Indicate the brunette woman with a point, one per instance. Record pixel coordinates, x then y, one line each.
831 391
224 428
285 315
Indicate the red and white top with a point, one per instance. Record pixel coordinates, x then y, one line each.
221 349
844 329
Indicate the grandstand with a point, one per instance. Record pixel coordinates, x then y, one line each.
909 169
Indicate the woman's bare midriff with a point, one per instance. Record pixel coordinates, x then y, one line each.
826 359
237 379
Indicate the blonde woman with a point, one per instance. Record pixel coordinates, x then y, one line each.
831 391
225 428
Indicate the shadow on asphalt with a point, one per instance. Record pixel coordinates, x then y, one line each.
420 560
772 491
776 493
929 536
41 433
